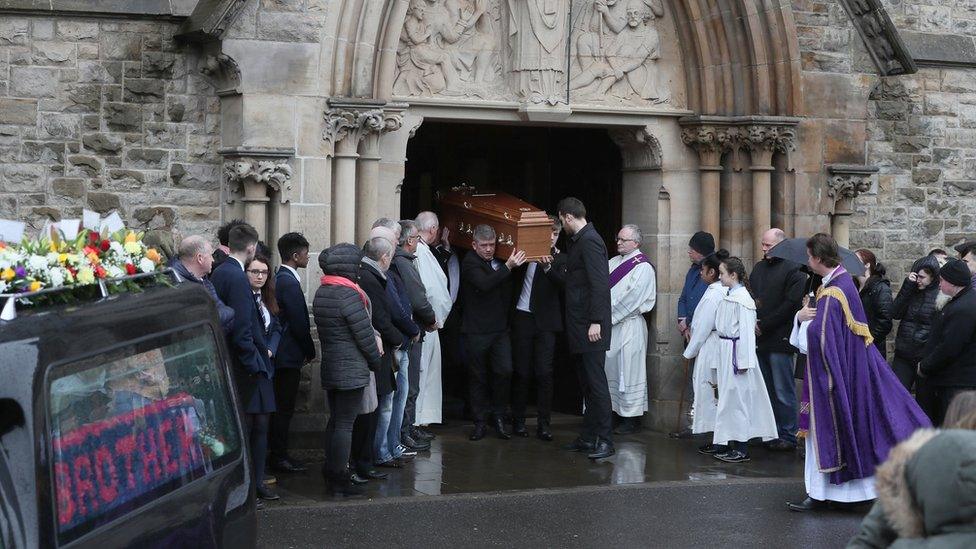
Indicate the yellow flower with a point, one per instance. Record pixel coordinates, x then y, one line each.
93 257
8 274
53 247
62 258
86 276
34 286
132 247
153 255
131 237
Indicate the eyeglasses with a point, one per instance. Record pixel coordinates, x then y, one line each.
626 240
257 272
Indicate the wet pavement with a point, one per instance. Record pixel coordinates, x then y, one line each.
655 492
455 465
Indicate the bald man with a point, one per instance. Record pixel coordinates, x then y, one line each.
778 287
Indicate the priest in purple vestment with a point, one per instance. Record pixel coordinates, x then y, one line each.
854 409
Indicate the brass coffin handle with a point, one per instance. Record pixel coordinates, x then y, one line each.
507 216
467 205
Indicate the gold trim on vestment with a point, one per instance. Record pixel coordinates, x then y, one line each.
860 329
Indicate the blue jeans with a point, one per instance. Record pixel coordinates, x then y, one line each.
391 413
777 371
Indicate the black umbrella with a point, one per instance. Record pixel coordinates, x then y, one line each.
795 250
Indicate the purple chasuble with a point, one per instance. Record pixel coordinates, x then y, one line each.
853 404
624 268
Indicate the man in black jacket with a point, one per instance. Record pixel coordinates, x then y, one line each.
535 322
486 285
778 287
584 275
949 366
295 350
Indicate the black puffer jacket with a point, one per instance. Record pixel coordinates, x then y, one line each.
348 344
876 297
915 309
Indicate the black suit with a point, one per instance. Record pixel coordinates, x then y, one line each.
246 339
296 348
534 340
484 326
585 277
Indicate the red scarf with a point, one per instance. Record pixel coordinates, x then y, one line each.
332 280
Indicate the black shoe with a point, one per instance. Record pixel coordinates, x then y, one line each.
342 484
421 434
267 494
258 505
394 463
684 433
780 445
712 449
518 428
356 479
580 445
500 431
480 430
732 456
287 466
604 449
628 426
413 444
543 432
373 474
808 504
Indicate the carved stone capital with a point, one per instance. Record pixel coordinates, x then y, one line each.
222 70
768 137
847 182
251 177
349 126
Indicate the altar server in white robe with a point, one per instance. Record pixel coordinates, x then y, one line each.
705 347
632 293
744 410
429 400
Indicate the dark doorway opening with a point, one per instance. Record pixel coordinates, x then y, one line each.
537 164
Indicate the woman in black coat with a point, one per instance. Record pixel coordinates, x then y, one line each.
876 297
349 352
915 308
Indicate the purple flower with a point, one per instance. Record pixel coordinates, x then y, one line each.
20 272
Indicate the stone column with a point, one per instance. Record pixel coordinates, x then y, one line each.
762 140
368 176
249 179
844 184
709 141
346 124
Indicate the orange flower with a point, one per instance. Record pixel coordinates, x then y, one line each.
153 255
93 258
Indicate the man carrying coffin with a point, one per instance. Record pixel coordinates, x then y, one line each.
632 293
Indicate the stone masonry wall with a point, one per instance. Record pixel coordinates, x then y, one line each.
919 129
105 114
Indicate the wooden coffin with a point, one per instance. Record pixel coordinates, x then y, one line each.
518 224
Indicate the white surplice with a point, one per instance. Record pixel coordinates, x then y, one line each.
430 397
744 411
705 347
626 364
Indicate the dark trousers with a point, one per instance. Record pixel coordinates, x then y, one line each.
777 371
413 377
489 359
533 352
344 406
596 396
935 400
257 434
905 370
286 382
363 433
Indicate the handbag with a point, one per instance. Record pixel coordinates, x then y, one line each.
370 401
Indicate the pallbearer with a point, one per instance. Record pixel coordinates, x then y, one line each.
632 293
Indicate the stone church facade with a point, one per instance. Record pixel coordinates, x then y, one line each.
851 116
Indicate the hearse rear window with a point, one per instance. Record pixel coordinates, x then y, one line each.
137 423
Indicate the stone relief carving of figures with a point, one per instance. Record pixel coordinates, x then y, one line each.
449 47
617 48
537 33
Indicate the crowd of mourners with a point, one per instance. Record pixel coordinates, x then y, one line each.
823 317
